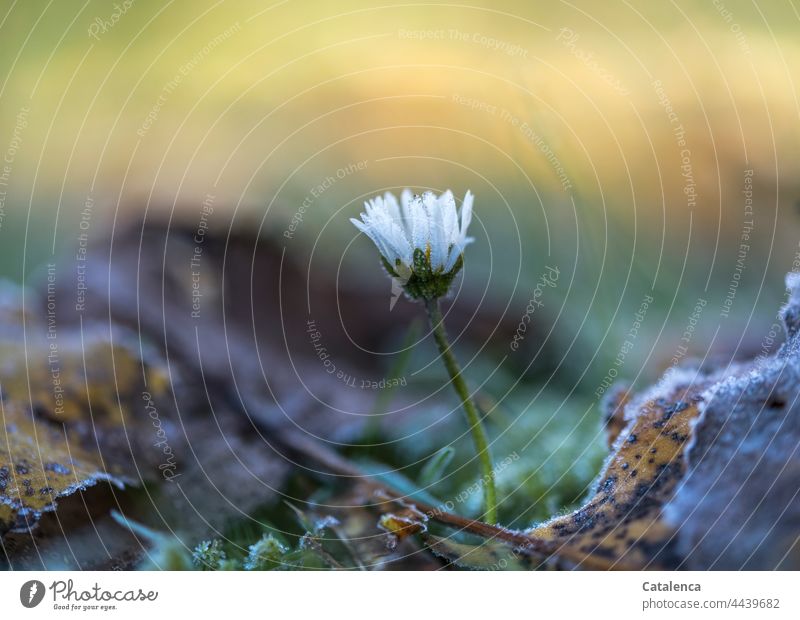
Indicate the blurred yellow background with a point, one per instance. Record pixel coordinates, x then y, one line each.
612 139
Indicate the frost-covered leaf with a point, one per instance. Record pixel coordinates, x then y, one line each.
738 506
703 472
39 464
403 523
71 405
620 526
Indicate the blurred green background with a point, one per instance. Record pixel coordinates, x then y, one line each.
556 115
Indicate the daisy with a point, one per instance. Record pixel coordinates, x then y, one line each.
421 239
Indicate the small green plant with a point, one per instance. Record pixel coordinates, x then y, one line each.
209 555
266 554
421 242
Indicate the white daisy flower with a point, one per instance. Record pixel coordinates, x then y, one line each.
420 238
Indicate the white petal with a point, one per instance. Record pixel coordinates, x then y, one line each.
371 231
466 213
392 208
419 224
447 198
359 224
451 232
455 252
406 198
372 206
402 246
426 222
439 244
396 240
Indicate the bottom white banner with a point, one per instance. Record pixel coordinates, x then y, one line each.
391 595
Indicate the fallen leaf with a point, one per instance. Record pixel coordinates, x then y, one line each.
703 473
738 506
620 526
39 464
404 523
71 407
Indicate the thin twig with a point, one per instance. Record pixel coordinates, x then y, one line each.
341 466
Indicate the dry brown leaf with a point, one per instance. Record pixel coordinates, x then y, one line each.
703 471
378 532
620 526
71 407
403 523
39 464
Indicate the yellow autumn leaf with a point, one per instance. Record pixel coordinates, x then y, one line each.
71 405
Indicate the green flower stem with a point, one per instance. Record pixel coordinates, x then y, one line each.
471 412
